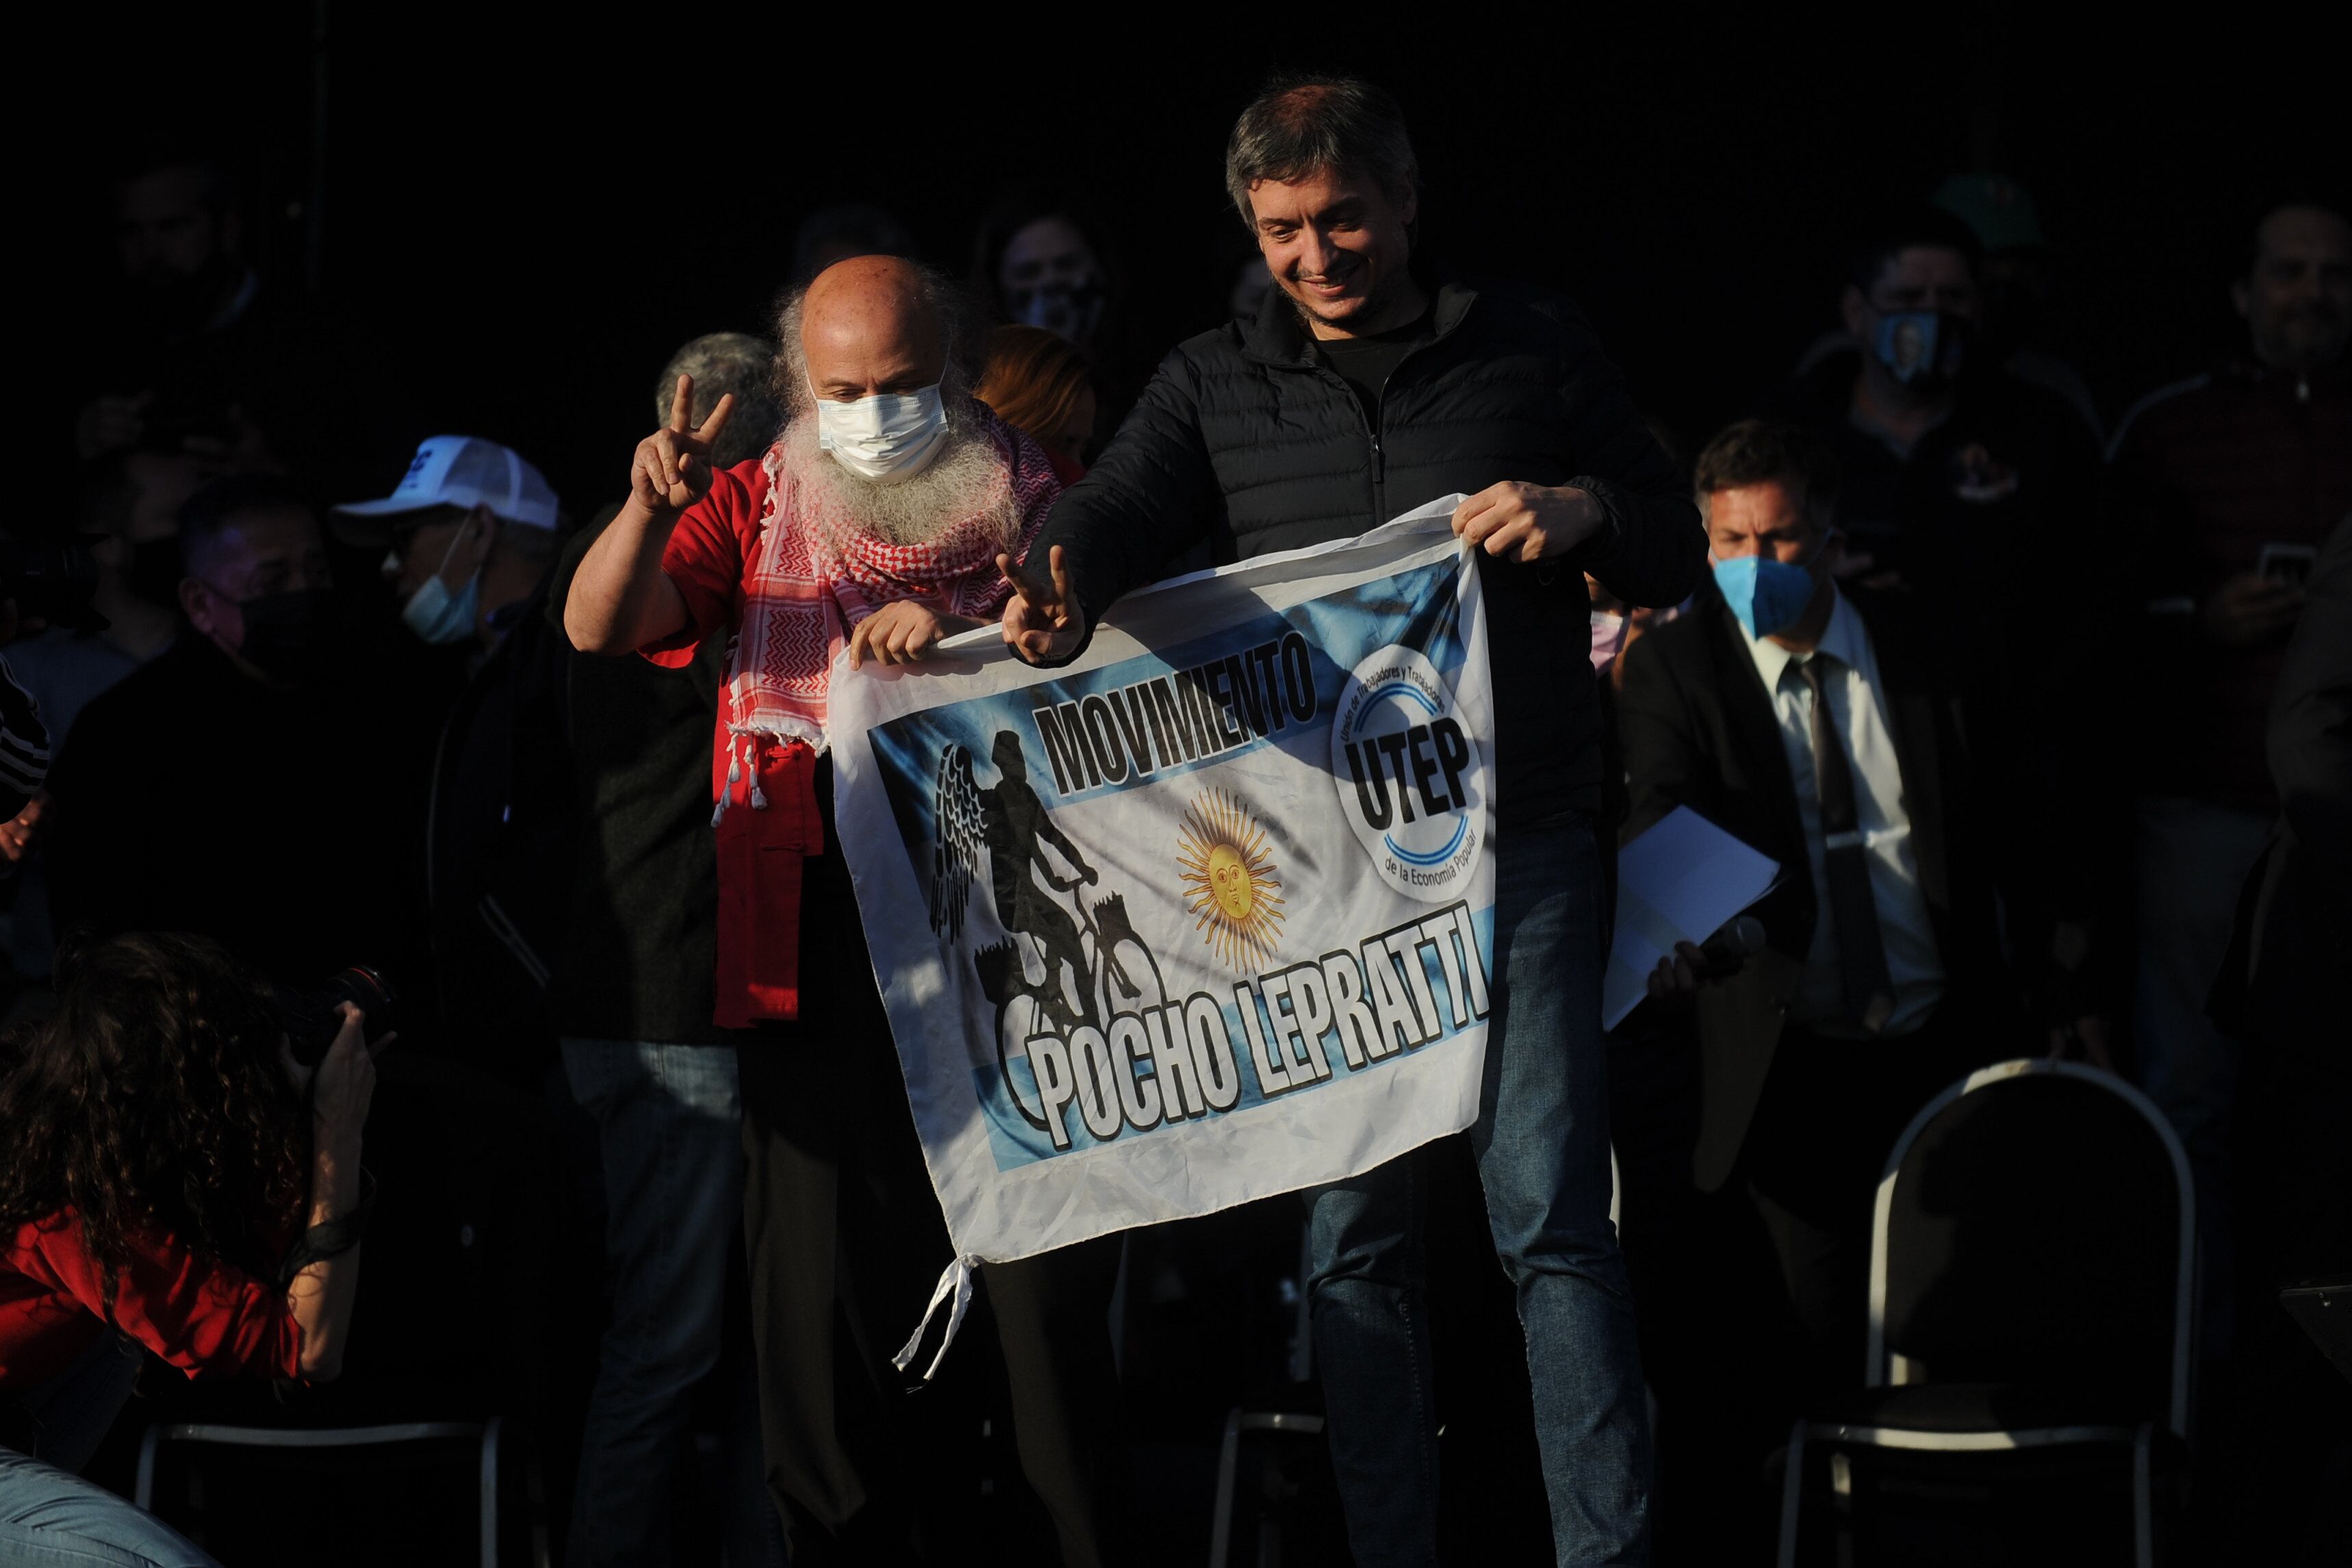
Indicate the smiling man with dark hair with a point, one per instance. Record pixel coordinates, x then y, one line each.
1361 389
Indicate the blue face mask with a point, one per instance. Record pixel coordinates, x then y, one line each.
1921 348
1766 595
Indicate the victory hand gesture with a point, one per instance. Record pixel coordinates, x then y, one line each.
1043 621
672 468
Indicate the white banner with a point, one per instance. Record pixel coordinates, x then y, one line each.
1204 916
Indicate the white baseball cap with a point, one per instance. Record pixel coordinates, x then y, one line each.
457 471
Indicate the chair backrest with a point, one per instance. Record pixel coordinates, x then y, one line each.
2036 1224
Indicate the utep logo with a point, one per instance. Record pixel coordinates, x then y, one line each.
1410 780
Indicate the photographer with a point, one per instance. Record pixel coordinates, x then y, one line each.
179 1182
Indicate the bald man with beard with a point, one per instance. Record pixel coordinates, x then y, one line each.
875 521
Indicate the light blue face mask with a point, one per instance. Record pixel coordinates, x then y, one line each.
438 616
1766 595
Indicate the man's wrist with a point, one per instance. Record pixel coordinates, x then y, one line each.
647 519
1595 525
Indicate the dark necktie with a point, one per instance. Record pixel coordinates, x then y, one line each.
1862 954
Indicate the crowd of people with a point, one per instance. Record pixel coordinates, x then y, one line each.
553 770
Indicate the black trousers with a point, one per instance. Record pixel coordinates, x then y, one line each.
1754 1299
845 1240
1829 1116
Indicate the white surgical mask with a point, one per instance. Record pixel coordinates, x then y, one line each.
891 435
437 615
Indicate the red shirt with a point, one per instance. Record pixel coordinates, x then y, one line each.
202 1318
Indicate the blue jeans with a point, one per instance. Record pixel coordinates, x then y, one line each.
51 1520
668 1128
1542 1145
2194 858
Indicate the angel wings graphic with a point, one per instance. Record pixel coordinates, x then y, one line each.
959 841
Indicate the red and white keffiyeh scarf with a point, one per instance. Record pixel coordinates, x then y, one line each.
810 581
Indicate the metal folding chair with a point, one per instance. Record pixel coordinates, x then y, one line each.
486 1434
2026 1187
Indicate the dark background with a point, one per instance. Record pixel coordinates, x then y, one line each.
513 220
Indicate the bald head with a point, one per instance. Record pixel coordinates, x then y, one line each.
872 325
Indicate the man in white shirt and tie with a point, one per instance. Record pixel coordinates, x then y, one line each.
1820 724
1822 675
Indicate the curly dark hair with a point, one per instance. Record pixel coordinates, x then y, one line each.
154 1098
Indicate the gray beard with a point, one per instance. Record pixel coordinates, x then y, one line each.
965 481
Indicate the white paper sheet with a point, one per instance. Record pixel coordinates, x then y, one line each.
1679 881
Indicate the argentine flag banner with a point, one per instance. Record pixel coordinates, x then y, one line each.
1203 916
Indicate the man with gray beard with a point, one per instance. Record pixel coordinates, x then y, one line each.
874 522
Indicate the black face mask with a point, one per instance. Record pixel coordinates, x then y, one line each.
154 571
290 636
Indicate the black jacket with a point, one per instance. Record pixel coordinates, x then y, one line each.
639 953
500 825
1699 731
1246 440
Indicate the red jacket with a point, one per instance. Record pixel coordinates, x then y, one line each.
202 1318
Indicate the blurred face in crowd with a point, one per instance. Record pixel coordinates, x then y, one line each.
177 251
1919 279
1049 278
447 543
260 554
2297 297
1338 246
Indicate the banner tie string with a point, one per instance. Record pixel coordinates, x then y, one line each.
956 1283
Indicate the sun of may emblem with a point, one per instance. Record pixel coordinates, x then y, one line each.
1230 880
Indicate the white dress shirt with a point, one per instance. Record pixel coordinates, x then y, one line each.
1858 717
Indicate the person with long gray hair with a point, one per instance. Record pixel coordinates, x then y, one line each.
875 522
1363 388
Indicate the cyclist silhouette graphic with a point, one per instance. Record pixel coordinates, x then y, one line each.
1016 822
1094 969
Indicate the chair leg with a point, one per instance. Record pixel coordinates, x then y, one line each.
1792 1492
144 1494
490 1494
2143 1497
1229 1458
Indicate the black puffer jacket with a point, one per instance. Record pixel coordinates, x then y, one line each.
1246 439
